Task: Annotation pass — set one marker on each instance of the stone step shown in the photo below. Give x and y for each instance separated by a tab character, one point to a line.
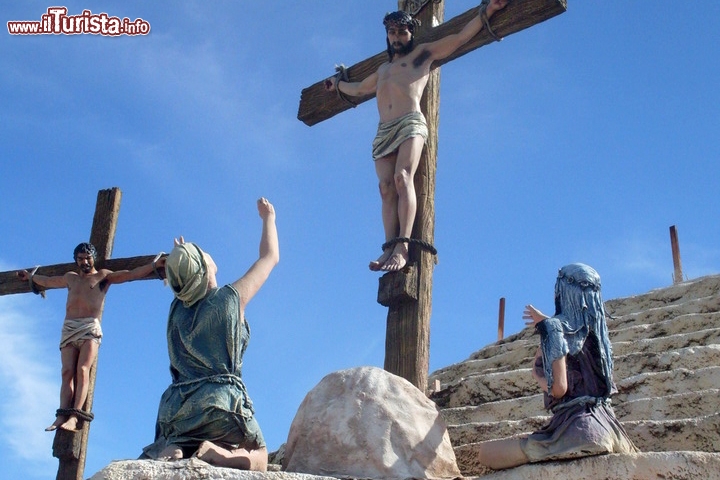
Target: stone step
691	358
700	306
669	407
710	336
507	344
674	406
699	288
680	323
661	384
510	409
696	297
681	465
481	389
469	433
698	434
520	355
684	331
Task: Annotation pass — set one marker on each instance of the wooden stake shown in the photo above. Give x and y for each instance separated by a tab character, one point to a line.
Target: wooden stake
501	319
677	263
407	341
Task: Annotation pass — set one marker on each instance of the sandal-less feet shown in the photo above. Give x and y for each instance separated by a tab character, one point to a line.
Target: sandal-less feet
378	264
396	262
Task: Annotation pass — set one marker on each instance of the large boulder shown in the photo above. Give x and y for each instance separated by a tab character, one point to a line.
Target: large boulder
367	423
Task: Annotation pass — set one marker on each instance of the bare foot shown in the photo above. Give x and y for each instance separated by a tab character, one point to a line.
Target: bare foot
210	453
239	458
377	265
58	421
71	424
171	452
397	260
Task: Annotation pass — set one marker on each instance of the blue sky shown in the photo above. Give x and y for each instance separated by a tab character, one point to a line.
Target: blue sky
581	139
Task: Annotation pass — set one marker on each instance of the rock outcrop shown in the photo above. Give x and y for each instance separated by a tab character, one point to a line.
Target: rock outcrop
367	423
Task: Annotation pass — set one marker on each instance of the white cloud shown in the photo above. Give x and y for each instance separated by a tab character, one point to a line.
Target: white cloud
30	375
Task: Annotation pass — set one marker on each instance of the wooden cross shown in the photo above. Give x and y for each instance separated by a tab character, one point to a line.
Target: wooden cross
408	293
71	447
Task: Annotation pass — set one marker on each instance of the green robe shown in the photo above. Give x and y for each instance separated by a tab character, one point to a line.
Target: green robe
207	399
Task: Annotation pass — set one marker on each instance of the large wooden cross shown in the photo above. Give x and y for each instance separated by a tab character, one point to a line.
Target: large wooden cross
71	447
408	293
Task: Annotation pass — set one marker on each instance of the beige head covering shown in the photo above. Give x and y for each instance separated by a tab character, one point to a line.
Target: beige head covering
187	273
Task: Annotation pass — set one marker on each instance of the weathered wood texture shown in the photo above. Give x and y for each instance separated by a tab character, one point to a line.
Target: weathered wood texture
677	262
317	105
399	288
407	339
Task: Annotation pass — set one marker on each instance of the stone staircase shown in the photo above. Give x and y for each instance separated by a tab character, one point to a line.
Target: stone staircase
666	347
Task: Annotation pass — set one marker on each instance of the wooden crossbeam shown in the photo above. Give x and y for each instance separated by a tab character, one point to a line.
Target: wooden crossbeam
10	283
317	105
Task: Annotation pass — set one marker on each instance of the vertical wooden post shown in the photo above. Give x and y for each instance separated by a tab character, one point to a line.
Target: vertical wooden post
407	342
677	263
501	319
71	447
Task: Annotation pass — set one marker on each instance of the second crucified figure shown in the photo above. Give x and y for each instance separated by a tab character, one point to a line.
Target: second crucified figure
398	85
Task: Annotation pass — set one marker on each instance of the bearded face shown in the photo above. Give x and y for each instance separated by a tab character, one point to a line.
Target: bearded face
399	40
399	48
86	262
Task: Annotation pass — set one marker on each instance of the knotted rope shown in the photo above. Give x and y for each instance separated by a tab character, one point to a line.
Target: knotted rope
81	414
342	75
412	241
33	286
482	11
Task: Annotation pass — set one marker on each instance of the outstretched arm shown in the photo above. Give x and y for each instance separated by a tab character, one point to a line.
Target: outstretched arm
353	89
445	46
249	284
122	276
559	366
58	281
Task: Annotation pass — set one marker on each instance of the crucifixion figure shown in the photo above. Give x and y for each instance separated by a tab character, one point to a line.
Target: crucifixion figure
87	281
405	80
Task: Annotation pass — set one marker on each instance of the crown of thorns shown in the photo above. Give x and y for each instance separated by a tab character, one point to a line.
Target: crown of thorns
401	18
583	283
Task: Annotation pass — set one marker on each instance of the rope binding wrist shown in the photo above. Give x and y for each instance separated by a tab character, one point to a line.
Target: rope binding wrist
482	11
154	265
342	75
33	286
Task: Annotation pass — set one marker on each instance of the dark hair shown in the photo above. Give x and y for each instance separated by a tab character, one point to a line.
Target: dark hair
401	18
85	247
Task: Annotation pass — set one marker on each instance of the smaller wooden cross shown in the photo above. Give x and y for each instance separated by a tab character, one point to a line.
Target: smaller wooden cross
71	447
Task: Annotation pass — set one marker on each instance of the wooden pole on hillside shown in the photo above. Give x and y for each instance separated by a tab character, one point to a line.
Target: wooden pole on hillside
677	263
407	337
501	319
